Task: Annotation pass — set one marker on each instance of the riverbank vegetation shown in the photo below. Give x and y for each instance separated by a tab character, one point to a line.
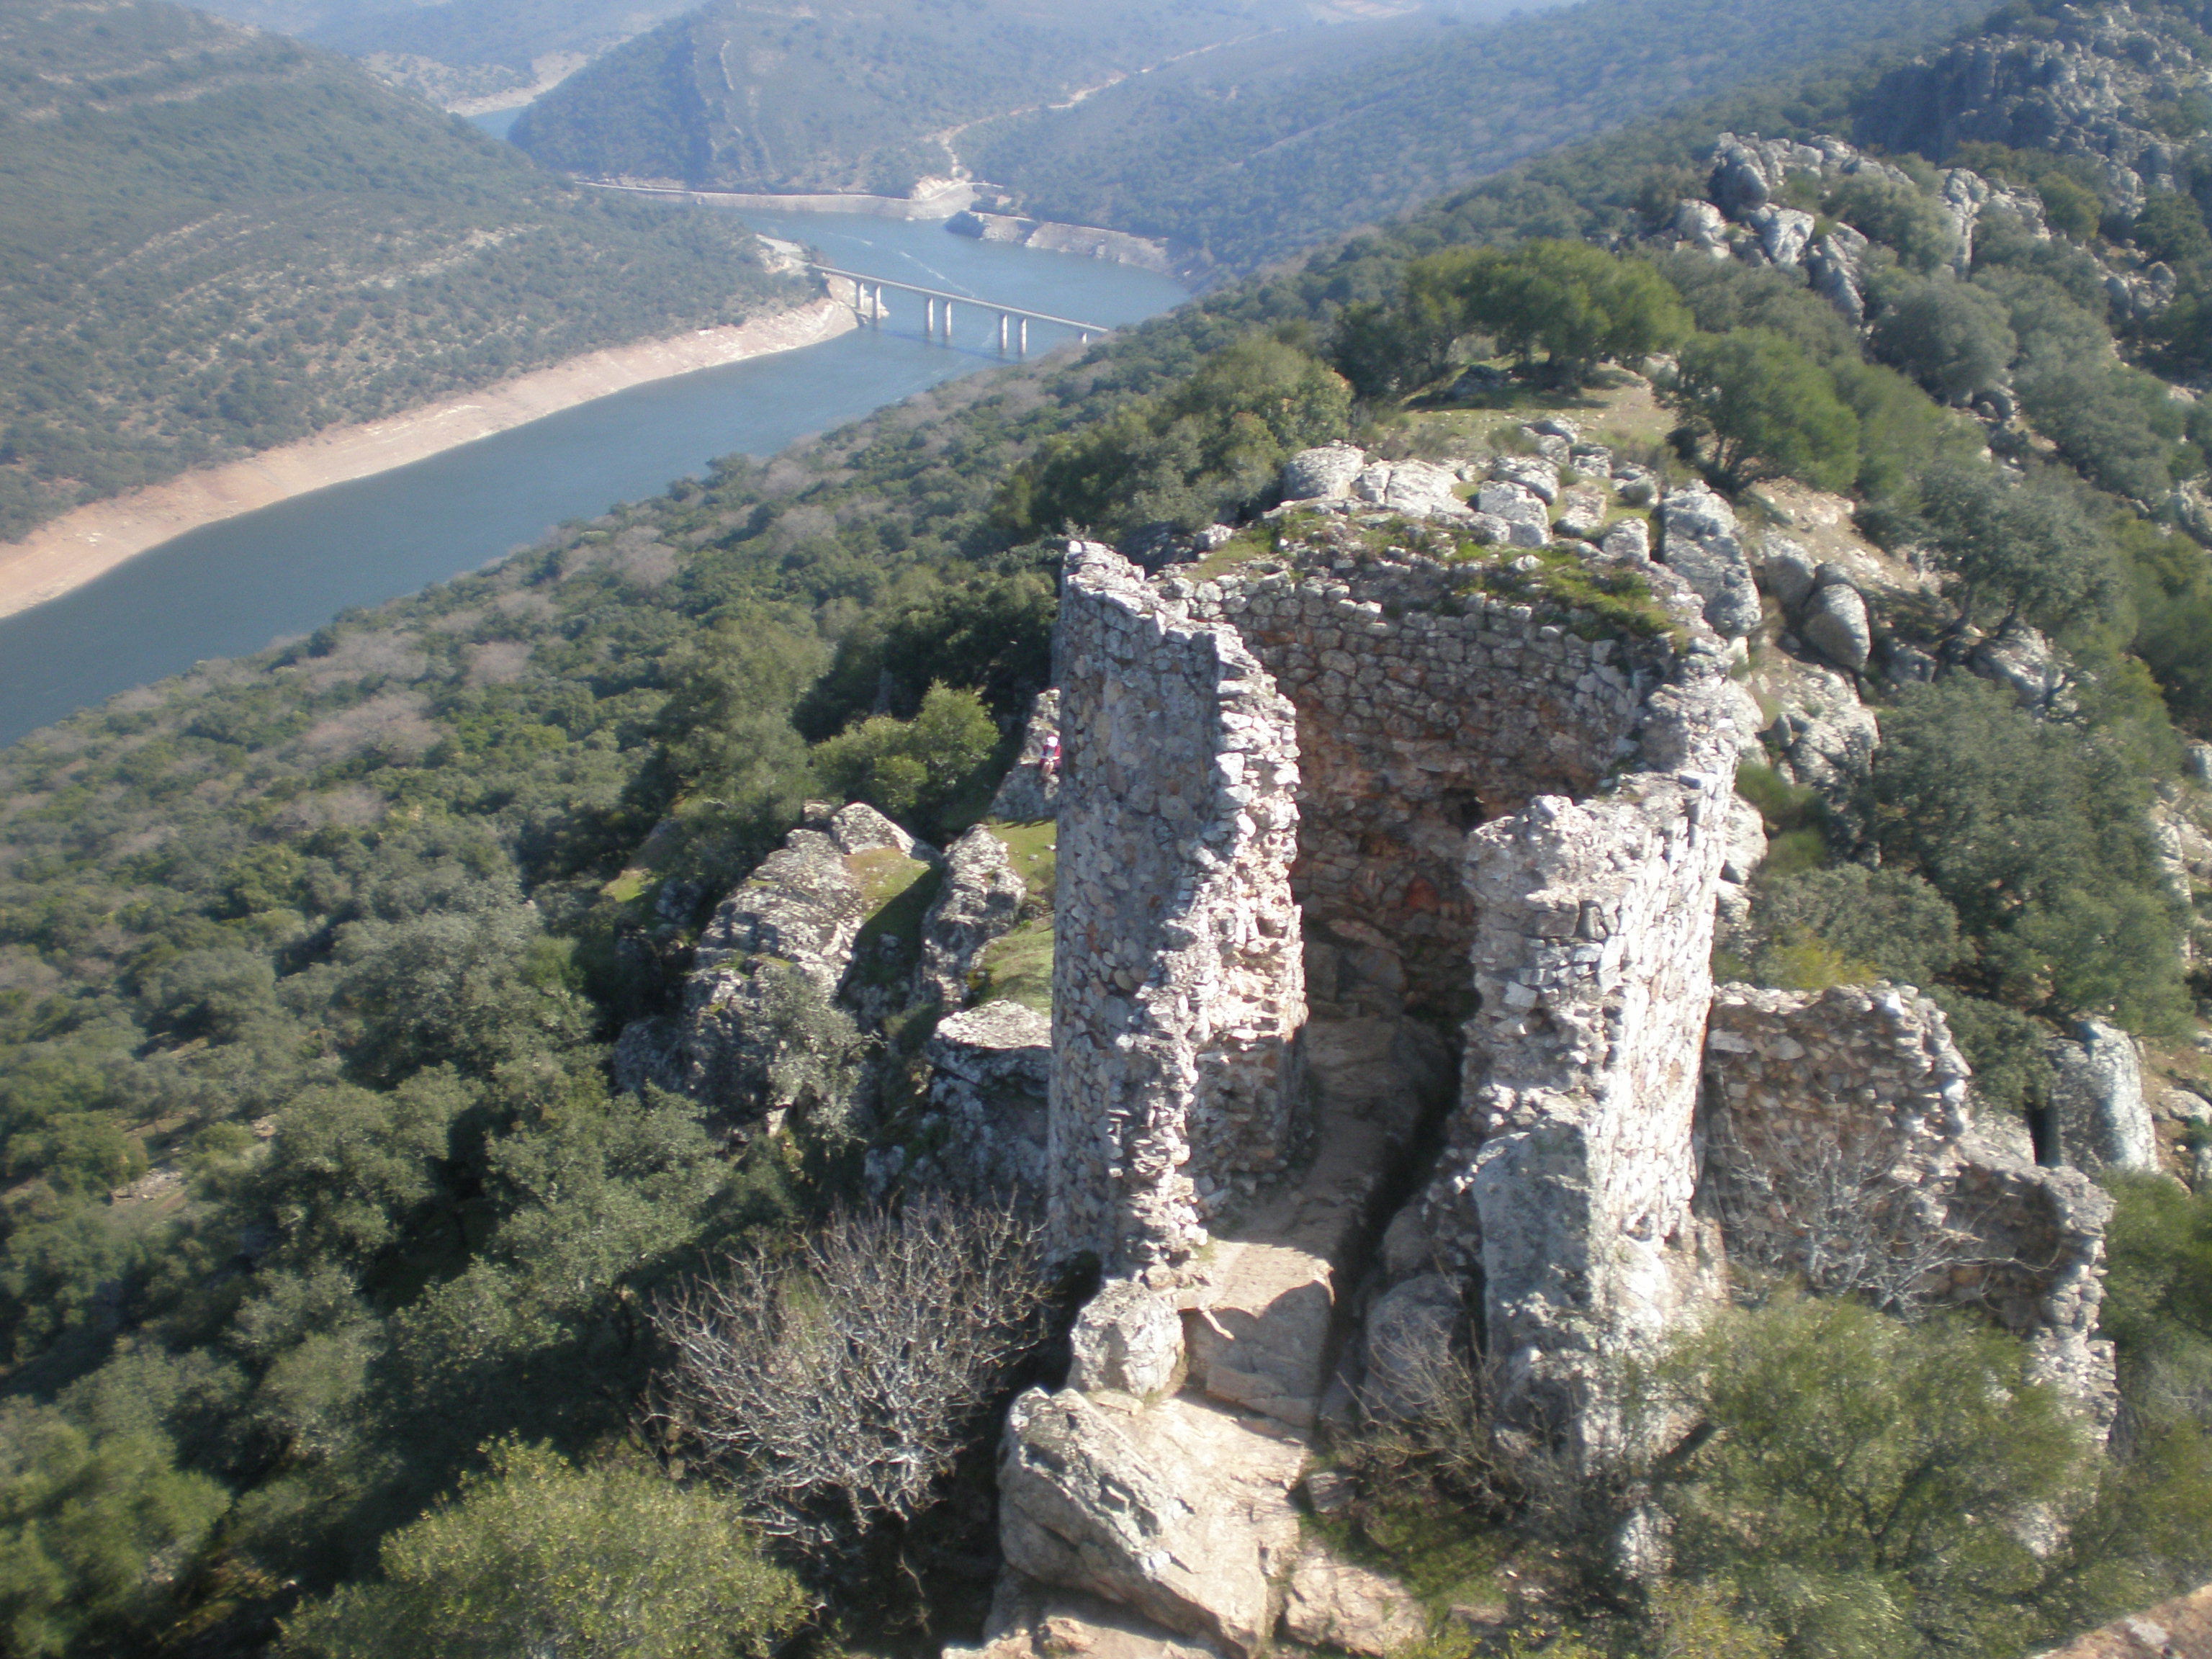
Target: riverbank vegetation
336	1274
214	242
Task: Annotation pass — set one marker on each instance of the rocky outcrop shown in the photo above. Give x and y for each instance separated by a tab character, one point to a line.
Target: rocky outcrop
2083	94
783	939
2097	1100
1026	793
985	1130
1700	542
1179	1510
1323	474
980	899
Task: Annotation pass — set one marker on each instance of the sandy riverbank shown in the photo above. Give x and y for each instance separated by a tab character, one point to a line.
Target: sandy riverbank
70	550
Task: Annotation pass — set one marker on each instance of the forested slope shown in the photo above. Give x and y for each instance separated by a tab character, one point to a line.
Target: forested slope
311	964
213	241
850	96
1242	161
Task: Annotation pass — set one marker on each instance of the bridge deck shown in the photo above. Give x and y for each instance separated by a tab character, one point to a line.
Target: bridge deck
958	298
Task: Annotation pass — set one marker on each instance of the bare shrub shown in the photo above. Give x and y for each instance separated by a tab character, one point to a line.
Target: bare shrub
1446	1454
1841	1217
835	1387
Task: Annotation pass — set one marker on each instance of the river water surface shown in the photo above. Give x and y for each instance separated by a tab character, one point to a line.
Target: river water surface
235	587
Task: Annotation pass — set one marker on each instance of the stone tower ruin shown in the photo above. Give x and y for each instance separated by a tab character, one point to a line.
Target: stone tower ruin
1371	792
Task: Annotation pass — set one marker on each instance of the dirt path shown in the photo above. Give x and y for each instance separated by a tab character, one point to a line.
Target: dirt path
70	550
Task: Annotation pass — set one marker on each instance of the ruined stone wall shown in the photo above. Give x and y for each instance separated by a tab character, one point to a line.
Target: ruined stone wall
1422	710
1570	1168
1177	986
1851	1107
1790	1073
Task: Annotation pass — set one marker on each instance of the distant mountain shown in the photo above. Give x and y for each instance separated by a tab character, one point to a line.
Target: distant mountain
214	240
1247	155
854	94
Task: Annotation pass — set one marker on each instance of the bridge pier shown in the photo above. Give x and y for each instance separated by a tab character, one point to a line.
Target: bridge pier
1002	334
1024	346
948	322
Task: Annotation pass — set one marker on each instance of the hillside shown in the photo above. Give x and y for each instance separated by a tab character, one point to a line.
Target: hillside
461	53
853	97
213	241
435	1057
1240	159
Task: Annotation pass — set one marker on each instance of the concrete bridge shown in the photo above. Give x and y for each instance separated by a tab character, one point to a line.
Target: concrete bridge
1014	321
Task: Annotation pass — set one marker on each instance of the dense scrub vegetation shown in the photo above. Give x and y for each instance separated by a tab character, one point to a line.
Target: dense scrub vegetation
213	242
330	1251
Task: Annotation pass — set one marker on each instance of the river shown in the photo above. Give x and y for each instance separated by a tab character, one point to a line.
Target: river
232	588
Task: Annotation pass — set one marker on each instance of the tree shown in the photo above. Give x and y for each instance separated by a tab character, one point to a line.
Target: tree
1577	304
534	1557
1853	1481
2035	831
1952	337
82	1516
2022	549
2172	227
1901	216
1890	920
909	768
1766	409
834	1389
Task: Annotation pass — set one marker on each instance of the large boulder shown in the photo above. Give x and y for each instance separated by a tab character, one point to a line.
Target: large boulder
2097	1101
1784	234
1328	1603
1700	541
1836	624
1789	573
1178	1510
1521	508
2024	662
1630	539
1323	474
982	898
1581	513
1536	474
1419	490
1127	1338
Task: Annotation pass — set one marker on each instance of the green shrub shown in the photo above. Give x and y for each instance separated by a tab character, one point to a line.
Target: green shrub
1765	410
909	769
1850	1481
535	1556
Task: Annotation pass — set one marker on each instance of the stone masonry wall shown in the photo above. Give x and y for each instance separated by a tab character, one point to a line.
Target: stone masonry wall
1852	1106
1178	989
1422	712
1570	1166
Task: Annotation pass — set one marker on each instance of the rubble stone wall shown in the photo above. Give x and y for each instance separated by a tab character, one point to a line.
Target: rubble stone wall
1792	1071
1422	711
1178	987
1872	1071
1570	1166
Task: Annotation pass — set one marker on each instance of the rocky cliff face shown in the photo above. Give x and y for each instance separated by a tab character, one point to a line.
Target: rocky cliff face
2090	86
